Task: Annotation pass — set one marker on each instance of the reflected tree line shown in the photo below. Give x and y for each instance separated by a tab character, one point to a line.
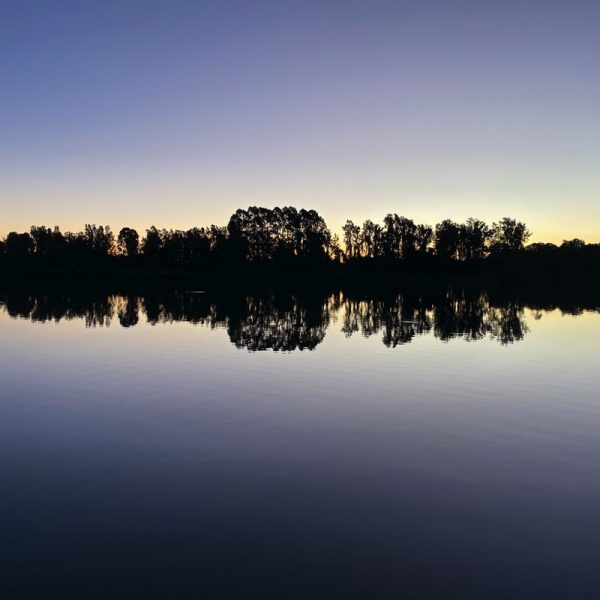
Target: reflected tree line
284	321
470	317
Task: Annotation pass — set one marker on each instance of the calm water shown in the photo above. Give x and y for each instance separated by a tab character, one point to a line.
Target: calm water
185	445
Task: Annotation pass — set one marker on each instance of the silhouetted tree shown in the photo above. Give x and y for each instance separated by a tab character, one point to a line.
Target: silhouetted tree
261	234
371	240
351	239
473	239
152	243
49	243
407	230
335	251
423	238
447	239
197	245
128	241
99	240
399	236
173	246
218	241
240	229
19	245
572	245
508	235
315	235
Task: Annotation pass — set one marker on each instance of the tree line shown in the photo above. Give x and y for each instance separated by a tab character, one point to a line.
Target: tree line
268	234
400	238
256	234
285	236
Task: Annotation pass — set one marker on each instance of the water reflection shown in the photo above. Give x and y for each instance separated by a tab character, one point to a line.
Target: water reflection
286	321
467	315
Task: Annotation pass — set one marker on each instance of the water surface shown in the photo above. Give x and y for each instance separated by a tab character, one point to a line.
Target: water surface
190	445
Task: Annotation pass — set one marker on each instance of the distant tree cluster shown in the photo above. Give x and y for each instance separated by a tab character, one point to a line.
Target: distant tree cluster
46	243
284	233
284	236
256	234
401	238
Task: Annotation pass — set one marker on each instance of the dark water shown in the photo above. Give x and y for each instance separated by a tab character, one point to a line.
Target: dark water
188	445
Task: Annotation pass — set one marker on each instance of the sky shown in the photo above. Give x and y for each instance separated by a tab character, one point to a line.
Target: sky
176	113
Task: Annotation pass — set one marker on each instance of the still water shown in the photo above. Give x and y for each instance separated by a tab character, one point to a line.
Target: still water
191	445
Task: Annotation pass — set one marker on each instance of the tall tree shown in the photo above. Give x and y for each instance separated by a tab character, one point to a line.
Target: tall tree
99	240
474	236
128	241
399	236
351	239
508	235
423	238
371	239
447	239
152	243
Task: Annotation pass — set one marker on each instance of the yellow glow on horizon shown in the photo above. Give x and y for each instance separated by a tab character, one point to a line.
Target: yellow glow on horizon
589	232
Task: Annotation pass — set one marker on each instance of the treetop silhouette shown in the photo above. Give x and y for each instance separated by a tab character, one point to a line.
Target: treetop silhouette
288	238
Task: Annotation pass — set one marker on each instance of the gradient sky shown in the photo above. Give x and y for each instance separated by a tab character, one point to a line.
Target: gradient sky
176	113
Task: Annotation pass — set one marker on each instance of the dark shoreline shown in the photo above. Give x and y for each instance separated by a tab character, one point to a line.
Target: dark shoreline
316	277
570	294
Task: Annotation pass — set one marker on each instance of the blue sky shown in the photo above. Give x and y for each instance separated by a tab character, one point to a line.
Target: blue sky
177	113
